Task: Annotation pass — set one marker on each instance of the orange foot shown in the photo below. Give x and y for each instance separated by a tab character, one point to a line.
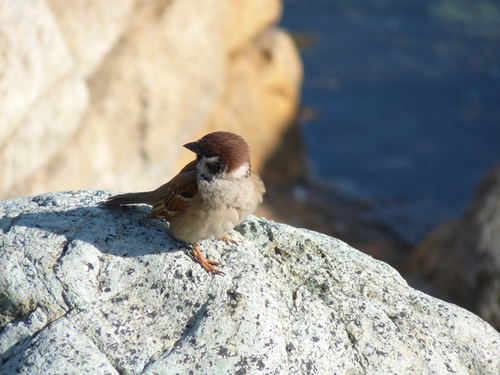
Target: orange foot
227	239
206	263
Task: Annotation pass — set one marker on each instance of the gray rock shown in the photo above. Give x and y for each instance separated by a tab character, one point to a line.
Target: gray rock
90	290
60	348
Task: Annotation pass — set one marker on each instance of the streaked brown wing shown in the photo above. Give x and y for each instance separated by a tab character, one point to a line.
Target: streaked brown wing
176	195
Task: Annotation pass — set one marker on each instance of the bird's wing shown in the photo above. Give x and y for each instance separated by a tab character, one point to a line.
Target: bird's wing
177	194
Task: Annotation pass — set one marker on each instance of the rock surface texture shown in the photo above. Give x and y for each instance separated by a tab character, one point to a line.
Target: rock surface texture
90	290
104	93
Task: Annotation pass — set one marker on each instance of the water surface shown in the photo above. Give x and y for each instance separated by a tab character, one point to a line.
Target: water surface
406	102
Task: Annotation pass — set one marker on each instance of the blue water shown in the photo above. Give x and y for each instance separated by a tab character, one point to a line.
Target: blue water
407	106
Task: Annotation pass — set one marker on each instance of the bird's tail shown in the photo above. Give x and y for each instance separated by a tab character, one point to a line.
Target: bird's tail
146	197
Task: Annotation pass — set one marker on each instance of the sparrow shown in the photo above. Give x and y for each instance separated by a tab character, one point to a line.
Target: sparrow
209	196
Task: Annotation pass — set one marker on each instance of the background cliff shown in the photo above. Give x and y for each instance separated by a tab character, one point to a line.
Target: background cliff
103	94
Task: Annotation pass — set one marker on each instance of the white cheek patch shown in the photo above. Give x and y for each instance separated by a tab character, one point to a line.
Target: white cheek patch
240	173
202	166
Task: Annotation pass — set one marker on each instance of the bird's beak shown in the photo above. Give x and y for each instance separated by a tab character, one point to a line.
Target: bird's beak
193	146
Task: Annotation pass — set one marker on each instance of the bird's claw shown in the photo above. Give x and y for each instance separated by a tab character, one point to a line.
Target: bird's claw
207	264
227	239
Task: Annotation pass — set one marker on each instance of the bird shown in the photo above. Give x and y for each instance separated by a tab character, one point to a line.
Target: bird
208	197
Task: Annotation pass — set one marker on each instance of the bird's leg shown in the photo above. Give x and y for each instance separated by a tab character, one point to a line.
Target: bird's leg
206	263
227	239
